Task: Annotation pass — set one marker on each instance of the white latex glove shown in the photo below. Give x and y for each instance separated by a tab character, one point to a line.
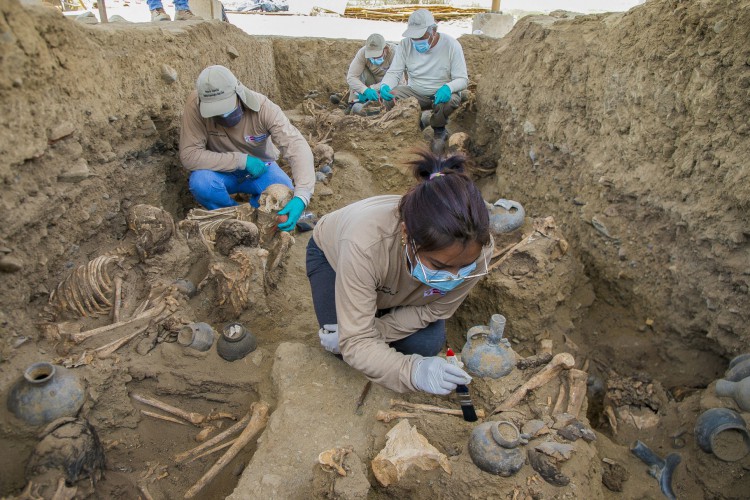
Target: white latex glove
436	376
329	338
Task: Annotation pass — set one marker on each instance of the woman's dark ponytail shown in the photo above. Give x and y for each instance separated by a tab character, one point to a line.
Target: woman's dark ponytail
445	207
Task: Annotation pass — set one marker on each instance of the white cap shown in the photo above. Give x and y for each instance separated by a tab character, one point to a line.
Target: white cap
419	21
218	89
374	45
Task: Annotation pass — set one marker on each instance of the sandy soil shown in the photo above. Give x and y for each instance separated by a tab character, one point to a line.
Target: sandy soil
628	130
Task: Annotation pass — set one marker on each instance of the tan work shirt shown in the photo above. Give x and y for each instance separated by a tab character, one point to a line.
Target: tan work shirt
363	74
362	242
206	145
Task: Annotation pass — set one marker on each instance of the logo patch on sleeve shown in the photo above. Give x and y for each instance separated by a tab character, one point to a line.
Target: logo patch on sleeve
433	291
256	138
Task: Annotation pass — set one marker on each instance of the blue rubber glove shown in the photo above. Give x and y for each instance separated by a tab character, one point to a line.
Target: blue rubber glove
329	338
385	93
368	95
255	167
443	94
293	210
436	376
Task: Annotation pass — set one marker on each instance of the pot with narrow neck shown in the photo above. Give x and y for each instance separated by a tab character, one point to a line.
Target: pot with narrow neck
486	353
739	391
46	392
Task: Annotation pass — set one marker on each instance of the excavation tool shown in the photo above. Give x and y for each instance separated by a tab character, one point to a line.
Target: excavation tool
362	397
661	469
467	407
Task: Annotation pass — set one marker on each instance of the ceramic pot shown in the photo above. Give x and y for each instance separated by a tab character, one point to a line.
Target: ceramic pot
739	391
723	432
46	392
199	336
486	353
505	216
493	447
739	368
235	342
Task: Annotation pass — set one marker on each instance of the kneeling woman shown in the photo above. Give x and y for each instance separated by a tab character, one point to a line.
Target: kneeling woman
386	272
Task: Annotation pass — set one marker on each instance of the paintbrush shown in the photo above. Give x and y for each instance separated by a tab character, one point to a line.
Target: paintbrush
467	407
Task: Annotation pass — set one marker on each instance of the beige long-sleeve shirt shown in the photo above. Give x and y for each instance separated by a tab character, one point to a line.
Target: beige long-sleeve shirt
362	242
363	74
206	145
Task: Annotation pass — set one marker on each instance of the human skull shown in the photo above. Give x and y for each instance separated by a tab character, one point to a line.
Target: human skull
274	198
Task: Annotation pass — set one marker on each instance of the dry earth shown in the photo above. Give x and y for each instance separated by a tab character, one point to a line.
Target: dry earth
630	130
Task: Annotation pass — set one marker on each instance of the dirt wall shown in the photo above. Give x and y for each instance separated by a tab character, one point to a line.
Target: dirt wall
632	129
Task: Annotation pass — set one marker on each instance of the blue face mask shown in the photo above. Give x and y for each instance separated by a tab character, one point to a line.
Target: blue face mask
422	46
434	278
230	119
377	61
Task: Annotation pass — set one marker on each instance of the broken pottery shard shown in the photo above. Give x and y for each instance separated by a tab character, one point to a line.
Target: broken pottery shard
168	73
558	451
576	430
77	172
535	428
406	448
233	53
547	468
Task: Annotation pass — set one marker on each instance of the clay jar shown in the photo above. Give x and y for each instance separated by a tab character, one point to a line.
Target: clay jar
486	353
46	392
199	336
493	448
723	432
235	342
739	368
739	391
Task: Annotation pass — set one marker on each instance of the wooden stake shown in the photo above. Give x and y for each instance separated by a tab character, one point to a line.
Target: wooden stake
181	457
256	424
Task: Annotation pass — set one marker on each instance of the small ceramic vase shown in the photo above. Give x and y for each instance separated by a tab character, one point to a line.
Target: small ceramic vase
235	342
723	432
199	336
739	391
493	447
486	353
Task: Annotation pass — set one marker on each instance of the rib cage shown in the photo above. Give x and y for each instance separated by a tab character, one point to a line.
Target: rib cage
87	289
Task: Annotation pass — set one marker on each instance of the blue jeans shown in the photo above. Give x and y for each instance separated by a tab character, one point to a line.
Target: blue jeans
428	341
212	189
178	4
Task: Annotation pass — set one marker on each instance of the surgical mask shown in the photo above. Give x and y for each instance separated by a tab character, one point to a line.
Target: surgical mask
422	46
377	61
445	281
230	119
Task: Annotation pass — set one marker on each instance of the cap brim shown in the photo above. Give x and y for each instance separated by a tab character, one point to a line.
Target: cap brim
248	98
216	108
414	32
374	52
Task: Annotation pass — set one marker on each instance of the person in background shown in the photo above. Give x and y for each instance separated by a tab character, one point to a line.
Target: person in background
367	70
386	272
181	11
229	142
436	71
